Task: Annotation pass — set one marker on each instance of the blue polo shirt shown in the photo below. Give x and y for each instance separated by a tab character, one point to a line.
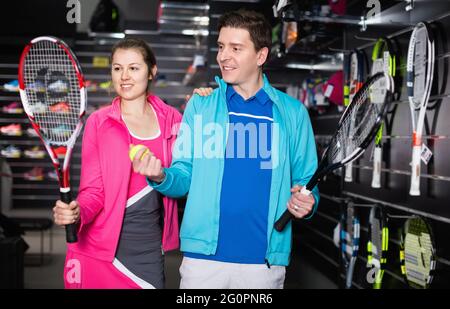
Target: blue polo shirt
244	200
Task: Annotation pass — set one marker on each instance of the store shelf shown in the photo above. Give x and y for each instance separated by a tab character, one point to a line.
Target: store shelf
174	49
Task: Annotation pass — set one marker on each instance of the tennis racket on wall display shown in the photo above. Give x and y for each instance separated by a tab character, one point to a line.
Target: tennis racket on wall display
384	60
419	79
349	242
356	69
439	86
377	246
363	116
54	99
417	254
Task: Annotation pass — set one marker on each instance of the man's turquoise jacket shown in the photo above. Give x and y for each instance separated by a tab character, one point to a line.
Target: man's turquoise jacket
198	165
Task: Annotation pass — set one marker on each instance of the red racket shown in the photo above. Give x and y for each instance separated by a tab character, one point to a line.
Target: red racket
54	98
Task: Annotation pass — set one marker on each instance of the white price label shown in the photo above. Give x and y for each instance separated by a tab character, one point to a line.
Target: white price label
425	154
328	91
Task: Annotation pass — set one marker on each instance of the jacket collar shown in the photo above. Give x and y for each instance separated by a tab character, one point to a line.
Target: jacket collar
266	87
164	112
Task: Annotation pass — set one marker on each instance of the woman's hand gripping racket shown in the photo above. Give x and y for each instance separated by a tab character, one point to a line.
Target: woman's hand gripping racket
54	99
356	129
419	68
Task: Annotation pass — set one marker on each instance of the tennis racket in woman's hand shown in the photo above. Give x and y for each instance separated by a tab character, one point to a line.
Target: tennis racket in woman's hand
54	98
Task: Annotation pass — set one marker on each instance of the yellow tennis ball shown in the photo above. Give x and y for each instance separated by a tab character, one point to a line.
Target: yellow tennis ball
135	149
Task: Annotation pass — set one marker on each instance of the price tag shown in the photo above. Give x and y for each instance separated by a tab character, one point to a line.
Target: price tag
426	154
328	91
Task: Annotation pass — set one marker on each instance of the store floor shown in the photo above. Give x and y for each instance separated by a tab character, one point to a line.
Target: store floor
49	275
300	273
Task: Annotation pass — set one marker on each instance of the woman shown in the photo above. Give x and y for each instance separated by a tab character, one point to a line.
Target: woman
124	226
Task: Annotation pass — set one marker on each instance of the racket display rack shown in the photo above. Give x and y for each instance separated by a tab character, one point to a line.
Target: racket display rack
314	238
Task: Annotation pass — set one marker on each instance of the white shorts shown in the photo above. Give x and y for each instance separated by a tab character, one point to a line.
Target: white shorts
207	274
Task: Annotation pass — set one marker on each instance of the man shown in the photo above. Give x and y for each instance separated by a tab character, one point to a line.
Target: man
243	154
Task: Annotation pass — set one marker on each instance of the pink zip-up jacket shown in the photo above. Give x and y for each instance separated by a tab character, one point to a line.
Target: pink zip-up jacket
105	174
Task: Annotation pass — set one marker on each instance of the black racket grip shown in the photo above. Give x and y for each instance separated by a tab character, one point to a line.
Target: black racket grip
71	229
284	219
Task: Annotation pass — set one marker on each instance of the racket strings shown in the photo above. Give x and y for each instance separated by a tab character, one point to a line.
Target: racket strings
420	68
51	86
376	243
419	253
355	128
420	65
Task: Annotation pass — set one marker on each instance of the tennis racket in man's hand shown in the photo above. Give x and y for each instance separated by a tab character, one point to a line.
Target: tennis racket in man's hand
356	129
54	98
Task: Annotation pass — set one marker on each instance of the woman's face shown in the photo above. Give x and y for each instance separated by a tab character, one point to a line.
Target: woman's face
130	73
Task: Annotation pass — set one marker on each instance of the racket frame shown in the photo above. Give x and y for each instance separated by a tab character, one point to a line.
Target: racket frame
62	171
377	212
403	253
360	65
418	122
323	168
381	46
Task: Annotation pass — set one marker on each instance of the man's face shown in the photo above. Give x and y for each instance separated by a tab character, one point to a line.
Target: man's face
238	60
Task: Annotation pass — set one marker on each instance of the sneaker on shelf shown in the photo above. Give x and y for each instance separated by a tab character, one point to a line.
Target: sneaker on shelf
35	174
31	132
52	175
58	86
39	108
34	153
13	129
62	131
60	107
11	152
161	80
105	85
13	108
37	86
12	86
60	152
90	85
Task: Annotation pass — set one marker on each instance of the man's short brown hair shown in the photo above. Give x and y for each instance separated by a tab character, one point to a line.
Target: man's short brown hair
255	23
